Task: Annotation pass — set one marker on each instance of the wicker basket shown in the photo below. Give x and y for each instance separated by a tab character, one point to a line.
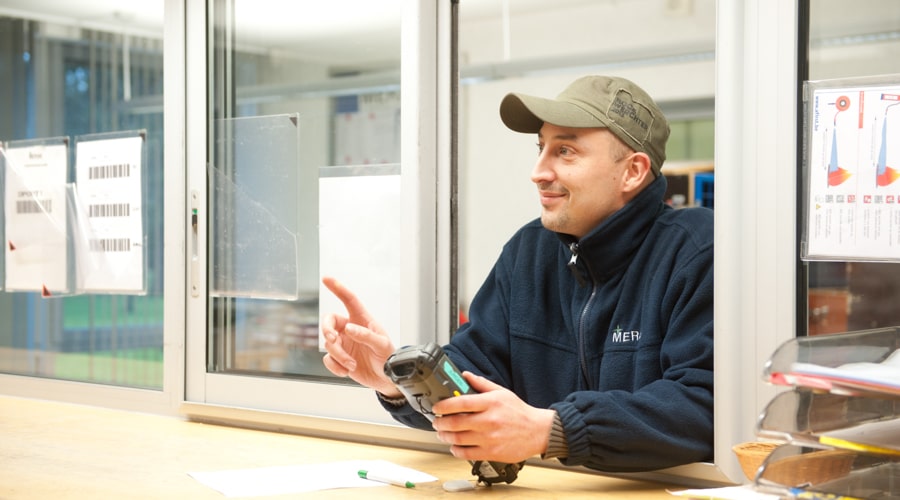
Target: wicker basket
751	456
807	468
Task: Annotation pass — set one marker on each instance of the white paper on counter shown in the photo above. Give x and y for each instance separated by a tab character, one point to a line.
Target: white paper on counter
289	479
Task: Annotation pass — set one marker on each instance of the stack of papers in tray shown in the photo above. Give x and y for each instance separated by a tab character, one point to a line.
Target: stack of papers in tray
883	377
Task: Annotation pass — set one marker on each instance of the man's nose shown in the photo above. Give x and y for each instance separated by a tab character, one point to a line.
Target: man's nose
542	171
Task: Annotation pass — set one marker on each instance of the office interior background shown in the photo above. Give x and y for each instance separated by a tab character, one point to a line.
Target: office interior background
361	139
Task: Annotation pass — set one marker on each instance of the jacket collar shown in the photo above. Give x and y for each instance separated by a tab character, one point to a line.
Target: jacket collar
611	245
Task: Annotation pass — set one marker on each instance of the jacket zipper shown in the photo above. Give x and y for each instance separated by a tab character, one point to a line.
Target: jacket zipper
573	267
573	264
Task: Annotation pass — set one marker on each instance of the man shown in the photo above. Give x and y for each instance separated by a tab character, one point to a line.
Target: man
591	340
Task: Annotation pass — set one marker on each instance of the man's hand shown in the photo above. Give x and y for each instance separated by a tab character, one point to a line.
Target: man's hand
357	346
493	425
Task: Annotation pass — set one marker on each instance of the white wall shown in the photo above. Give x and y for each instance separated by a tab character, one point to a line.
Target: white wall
542	29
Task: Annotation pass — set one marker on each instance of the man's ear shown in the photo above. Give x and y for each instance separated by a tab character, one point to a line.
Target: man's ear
637	173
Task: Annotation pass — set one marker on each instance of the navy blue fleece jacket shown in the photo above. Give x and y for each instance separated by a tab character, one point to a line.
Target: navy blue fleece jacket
621	346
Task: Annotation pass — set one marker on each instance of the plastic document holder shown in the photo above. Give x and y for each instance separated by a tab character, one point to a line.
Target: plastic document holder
839	424
864	363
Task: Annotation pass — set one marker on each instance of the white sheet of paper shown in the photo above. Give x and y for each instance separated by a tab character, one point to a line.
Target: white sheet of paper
289	479
111	250
36	234
745	492
884	375
360	240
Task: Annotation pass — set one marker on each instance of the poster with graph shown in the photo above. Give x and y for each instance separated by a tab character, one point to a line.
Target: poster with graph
852	156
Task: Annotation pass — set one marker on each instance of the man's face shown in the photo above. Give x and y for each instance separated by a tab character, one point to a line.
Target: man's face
579	176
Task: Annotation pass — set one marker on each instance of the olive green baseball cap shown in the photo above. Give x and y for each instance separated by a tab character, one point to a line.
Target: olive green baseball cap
607	102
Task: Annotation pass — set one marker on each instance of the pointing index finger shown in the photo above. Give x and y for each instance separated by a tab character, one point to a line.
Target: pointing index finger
349	299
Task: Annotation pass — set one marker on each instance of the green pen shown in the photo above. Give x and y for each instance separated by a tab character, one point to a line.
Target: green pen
385	479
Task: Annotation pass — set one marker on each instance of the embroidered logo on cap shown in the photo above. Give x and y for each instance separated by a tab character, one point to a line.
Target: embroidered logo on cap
635	117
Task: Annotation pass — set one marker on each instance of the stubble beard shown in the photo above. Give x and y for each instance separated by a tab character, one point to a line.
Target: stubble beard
557	222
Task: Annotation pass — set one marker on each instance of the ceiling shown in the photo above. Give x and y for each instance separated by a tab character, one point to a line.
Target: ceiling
305	29
323	30
108	15
294	22
293	19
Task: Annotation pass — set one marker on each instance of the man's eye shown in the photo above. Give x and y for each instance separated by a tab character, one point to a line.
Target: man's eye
564	150
540	148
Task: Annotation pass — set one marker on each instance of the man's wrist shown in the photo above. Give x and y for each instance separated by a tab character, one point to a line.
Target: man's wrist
557	445
388	389
398	400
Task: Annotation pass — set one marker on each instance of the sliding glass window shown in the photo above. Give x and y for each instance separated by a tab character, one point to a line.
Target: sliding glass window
305	108
319	157
81	278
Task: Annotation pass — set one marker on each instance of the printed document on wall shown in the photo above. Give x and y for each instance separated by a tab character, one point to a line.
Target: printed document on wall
35	216
110	249
853	171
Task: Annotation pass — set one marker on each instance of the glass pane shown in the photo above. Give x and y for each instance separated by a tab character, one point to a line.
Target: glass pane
63	80
690	141
295	92
254	191
858	42
678	146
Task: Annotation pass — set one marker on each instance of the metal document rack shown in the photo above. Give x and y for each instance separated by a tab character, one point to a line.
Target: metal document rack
839	422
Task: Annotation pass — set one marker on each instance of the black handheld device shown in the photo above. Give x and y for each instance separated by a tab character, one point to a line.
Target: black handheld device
425	375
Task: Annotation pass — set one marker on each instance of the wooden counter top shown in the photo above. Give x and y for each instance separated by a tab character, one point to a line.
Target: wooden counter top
64	451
